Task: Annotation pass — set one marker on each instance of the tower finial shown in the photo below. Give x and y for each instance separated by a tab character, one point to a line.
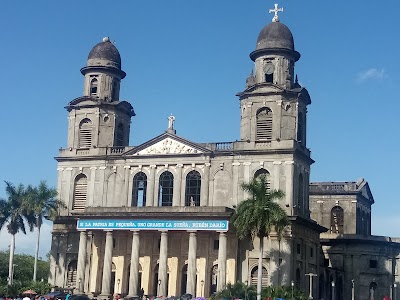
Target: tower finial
275	11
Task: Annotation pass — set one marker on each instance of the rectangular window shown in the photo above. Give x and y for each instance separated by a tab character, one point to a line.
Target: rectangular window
298	249
311	252
216	245
373	263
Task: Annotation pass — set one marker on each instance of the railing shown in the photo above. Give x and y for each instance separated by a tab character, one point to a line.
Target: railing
116	150
226	146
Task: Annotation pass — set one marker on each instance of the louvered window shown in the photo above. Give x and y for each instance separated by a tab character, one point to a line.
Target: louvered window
264	278
85	134
80	192
193	187
71	273
120	135
337	219
264	124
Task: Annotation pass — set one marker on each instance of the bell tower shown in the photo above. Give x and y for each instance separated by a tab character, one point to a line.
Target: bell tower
98	118
273	112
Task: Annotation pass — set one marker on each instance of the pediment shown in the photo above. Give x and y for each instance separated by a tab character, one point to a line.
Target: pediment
167	144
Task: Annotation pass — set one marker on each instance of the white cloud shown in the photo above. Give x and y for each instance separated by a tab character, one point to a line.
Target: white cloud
27	243
371	74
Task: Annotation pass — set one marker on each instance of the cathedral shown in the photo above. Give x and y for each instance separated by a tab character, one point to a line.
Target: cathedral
155	218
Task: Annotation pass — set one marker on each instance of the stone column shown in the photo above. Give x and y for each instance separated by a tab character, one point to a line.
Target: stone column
205	182
176	198
134	271
221	281
107	265
162	267
150	187
192	268
80	278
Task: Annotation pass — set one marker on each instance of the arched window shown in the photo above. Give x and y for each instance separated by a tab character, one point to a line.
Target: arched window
337	219
80	192
93	87
193	186
156	283
300	192
214	279
184	279
139	190
85	134
372	290
72	273
264	124
265	173
166	189
300	128
254	275
120	135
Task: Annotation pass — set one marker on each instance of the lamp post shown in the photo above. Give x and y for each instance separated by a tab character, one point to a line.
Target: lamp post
394	291
352	289
79	286
202	287
333	290
159	285
246	289
311	275
292	285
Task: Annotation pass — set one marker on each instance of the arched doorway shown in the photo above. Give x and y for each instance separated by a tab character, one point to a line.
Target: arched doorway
72	273
156	282
112	282
184	279
372	290
213	279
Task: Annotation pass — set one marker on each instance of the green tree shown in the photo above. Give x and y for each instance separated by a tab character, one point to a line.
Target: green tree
42	202
258	215
23	268
13	215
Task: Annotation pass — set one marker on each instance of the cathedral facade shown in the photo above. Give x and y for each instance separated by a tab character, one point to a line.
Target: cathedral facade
155	217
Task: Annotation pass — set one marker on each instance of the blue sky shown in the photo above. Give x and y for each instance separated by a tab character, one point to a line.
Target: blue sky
190	58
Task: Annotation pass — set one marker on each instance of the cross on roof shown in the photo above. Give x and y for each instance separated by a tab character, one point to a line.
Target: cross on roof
275	11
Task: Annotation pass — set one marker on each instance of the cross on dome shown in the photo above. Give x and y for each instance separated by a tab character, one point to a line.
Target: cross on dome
275	11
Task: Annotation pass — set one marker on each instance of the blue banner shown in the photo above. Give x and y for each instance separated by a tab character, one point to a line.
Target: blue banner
210	225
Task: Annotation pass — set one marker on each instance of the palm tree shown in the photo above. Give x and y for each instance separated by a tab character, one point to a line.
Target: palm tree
42	203
13	215
258	215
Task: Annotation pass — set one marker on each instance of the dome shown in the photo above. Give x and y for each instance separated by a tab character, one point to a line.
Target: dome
104	54
275	35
